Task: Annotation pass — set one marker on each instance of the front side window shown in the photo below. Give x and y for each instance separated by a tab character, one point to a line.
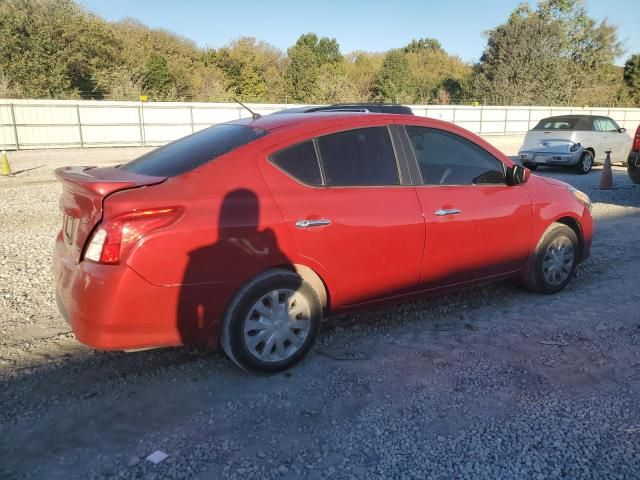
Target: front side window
445	158
604	125
360	157
299	161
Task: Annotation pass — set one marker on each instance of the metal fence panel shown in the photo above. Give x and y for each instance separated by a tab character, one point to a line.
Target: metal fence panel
91	123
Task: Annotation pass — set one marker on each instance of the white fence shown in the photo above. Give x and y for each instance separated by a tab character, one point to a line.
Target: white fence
31	124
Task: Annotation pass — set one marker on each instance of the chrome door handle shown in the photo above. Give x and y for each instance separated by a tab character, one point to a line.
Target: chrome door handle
312	223
450	211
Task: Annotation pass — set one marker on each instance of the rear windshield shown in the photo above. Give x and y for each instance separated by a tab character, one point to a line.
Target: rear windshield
557	124
190	152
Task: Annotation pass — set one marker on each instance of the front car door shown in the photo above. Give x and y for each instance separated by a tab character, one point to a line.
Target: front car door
621	142
350	212
605	135
477	226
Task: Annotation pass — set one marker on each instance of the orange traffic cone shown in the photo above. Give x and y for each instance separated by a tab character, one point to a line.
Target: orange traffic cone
6	168
606	177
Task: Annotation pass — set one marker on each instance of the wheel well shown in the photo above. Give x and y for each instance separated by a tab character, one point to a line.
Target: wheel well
593	152
313	279
574	225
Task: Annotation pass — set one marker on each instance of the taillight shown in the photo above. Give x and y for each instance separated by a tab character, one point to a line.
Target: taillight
117	235
636	141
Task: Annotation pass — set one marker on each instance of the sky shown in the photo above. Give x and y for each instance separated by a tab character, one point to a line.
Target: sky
372	25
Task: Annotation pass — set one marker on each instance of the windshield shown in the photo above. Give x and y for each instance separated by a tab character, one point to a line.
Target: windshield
190	152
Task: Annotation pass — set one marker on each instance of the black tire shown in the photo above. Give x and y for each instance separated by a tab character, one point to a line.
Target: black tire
585	163
633	168
531	166
537	281
233	336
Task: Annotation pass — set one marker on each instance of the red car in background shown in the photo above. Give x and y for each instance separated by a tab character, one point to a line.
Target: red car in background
247	233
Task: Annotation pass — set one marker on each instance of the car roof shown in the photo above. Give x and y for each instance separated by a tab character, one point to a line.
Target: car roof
578	122
580	117
394	108
289	120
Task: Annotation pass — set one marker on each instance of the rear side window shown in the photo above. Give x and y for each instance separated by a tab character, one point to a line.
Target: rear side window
604	125
360	157
548	124
445	158
190	152
301	162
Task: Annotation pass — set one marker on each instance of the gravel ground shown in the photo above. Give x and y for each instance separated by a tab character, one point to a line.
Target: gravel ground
492	382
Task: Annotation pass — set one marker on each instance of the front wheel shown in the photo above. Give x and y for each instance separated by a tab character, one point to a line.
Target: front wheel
585	163
272	323
556	260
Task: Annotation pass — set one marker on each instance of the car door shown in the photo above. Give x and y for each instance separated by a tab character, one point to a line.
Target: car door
349	212
605	136
477	226
621	140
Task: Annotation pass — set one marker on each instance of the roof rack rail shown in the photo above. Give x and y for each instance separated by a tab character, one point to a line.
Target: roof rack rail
354	107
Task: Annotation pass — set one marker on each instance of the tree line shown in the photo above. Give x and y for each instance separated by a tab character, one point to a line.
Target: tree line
553	54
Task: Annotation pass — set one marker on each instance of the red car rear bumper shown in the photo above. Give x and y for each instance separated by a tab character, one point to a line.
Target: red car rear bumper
111	307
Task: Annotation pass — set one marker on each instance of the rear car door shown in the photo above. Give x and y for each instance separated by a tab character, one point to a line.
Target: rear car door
350	212
477	226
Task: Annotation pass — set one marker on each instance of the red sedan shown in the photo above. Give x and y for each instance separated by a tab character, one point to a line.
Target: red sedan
247	233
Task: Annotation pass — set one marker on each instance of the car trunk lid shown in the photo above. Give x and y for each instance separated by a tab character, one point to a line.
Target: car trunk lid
83	192
547	140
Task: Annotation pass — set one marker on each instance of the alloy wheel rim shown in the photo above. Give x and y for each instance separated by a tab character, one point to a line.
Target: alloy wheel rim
277	325
586	164
558	261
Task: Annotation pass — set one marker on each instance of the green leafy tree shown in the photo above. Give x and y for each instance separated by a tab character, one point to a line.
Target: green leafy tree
555	54
394	82
334	86
305	60
181	59
423	44
361	69
253	69
632	76
54	48
156	78
437	76
6	89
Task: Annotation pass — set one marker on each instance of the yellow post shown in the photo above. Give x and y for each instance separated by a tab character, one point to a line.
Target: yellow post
6	168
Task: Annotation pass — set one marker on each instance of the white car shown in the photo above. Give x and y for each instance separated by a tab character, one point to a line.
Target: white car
574	140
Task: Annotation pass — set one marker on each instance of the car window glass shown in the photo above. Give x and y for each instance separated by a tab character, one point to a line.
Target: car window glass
604	125
301	162
445	158
555	125
190	152
360	157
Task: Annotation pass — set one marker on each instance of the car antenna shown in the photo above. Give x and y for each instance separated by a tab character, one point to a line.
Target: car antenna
254	115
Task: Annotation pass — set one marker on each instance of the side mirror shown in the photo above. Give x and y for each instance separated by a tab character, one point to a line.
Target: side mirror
517	175
622	130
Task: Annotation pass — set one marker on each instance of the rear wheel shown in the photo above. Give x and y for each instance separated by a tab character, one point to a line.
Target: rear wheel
633	168
585	163
272	323
556	260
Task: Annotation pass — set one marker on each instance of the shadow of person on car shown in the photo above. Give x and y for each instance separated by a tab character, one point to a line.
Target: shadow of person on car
216	272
